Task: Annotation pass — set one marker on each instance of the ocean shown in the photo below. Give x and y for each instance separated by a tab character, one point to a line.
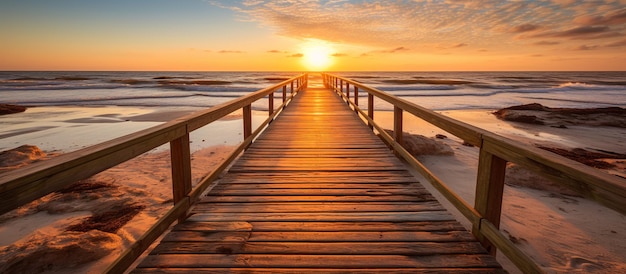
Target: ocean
435	90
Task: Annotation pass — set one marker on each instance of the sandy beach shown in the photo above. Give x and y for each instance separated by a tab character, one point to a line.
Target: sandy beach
563	233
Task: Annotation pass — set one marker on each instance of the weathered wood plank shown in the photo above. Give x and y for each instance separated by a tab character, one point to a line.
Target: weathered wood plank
313	248
432	270
315	191
315	236
375	226
330	198
338	217
321	185
292	178
317	207
328	261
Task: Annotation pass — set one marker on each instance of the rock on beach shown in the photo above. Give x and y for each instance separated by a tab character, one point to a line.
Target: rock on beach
10	109
562	117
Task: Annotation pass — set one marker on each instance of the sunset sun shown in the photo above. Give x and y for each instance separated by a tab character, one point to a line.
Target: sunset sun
317	56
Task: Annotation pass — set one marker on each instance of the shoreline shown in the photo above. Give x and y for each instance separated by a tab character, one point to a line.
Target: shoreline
589	227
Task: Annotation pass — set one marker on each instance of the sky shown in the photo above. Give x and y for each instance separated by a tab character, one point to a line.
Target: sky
303	35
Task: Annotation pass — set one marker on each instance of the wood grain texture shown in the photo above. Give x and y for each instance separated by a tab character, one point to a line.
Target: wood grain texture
318	192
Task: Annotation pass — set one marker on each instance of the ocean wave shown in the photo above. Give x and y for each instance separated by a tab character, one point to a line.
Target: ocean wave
496	86
209	88
275	79
62	78
415	88
60	86
195	82
426	81
172	77
364	77
131	81
576	86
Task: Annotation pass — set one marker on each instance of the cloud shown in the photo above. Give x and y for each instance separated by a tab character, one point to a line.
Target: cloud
584	32
524	28
296	55
339	55
231	51
621	43
421	24
613	18
275	51
546	43
585	47
398	49
459	45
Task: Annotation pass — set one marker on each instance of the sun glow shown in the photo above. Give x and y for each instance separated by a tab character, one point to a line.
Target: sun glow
317	55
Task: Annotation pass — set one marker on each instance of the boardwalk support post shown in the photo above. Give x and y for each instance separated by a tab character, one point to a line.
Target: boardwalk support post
397	125
181	169
370	108
356	95
489	189
270	103
247	121
284	93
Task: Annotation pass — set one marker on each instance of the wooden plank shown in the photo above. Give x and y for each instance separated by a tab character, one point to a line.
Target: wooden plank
303	217
316	192
323	177
432	270
319	226
355	248
314	184
305	168
315	236
317	261
317	207
336	174
330	198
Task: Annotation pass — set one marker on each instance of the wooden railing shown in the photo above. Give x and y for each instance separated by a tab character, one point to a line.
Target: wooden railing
495	152
29	183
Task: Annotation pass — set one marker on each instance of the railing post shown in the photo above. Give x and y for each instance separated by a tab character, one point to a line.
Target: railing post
284	93
397	125
340	86
291	92
247	121
180	157
356	95
270	103
348	91
370	108
489	189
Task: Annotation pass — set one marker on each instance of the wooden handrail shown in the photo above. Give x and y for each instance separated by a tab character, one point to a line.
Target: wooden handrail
495	152
29	183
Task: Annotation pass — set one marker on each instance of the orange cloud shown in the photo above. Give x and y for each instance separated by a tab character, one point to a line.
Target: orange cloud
231	51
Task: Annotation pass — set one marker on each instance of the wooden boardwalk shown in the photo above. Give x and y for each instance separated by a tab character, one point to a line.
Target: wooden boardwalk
318	192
